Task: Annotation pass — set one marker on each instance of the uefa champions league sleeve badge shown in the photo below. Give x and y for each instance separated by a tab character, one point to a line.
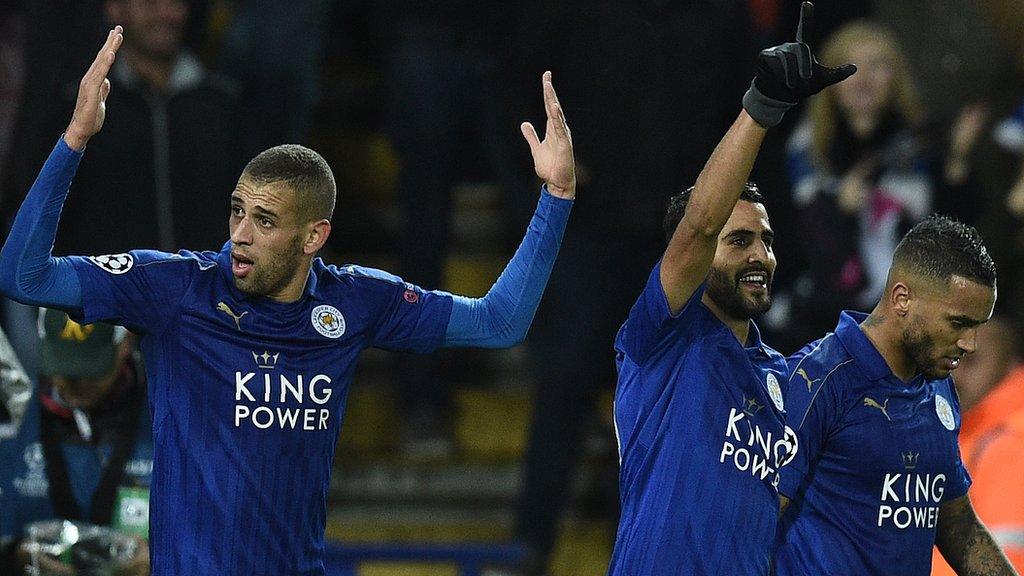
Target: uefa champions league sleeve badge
114	263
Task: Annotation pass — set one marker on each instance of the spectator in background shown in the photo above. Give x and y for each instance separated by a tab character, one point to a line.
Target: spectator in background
990	384
448	107
174	142
859	176
274	51
84	450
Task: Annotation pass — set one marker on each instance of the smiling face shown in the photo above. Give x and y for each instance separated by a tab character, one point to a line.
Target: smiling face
270	240
941	323
740	278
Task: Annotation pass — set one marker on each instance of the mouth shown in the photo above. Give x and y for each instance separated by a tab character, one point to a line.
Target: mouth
951	362
240	265
754	280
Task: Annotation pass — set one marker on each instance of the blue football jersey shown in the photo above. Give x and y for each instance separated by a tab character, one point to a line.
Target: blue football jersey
247	397
701	438
877	458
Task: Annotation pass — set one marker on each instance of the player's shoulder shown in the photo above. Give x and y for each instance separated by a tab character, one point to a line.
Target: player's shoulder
821	362
356	274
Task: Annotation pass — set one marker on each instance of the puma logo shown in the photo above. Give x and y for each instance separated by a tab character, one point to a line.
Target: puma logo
883	407
803	374
236	317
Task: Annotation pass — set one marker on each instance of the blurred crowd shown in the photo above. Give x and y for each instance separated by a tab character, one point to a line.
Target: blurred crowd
932	121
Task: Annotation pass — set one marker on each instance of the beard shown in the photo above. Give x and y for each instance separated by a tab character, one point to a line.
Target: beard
920	348
726	293
275	271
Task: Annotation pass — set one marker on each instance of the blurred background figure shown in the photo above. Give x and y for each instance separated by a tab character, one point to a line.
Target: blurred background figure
274	50
15	390
450	122
859	174
84	450
990	383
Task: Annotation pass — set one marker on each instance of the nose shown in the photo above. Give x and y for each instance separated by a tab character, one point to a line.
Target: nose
758	253
241	231
969	341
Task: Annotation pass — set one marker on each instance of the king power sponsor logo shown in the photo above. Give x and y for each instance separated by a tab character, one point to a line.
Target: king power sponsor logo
752	450
910	500
268	399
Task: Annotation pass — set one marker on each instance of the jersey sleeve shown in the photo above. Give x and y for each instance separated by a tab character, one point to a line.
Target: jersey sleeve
812	408
141	290
651	322
406	317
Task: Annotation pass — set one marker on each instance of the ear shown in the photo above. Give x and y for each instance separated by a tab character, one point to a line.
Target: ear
899	299
316	236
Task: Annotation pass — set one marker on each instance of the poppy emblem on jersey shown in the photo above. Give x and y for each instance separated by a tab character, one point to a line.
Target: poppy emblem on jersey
945	412
775	391
114	263
328	321
411	297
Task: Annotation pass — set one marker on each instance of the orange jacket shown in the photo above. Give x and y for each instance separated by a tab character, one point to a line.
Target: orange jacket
992	447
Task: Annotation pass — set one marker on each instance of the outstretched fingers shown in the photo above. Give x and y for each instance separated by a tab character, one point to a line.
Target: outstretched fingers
556	117
100	67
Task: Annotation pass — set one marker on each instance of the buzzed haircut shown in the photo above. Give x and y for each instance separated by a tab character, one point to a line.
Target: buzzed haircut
305	171
940	247
677	206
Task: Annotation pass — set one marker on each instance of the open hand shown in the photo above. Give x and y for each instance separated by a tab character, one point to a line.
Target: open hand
90	108
552	157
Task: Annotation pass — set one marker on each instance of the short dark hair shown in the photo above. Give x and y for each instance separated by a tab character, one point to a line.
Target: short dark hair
940	247
677	206
304	171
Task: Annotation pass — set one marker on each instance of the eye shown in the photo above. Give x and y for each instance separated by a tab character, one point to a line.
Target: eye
236	211
266	222
738	241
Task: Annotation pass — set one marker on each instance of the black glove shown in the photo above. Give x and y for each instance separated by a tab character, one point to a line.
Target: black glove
788	73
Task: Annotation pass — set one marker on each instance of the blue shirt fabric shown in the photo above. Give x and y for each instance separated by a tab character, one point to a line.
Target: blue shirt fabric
247	397
877	458
700	441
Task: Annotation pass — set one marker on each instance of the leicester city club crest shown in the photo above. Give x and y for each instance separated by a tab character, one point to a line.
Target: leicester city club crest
328	321
775	391
945	412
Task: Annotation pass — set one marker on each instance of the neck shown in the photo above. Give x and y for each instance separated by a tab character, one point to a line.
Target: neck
884	335
293	291
156	72
740	327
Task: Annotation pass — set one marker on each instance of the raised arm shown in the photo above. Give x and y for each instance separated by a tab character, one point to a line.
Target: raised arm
966	544
786	74
28	271
502	317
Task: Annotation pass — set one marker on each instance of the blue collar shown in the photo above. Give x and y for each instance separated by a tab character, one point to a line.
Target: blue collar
863	352
754	339
224	260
